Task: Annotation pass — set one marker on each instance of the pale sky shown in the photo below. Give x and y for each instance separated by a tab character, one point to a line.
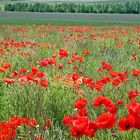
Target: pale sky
80	0
66	0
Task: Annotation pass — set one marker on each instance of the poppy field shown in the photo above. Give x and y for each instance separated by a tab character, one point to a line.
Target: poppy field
69	82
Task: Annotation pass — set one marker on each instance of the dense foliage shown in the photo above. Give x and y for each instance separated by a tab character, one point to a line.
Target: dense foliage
123	7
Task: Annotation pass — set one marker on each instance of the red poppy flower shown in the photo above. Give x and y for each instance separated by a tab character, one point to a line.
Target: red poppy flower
134	56
35	69
23	70
40	74
9	81
2	70
60	66
44	83
39	138
45	62
91	129
54	56
114	74
48	123
127	123
75	76
86	52
133	94
120	103
24	121
83	112
106	121
106	66
136	73
15	74
68	120
15	121
32	122
81	103
119	77
79	127
134	108
116	82
6	65
87	81
107	102
78	131
63	54
137	122
8	132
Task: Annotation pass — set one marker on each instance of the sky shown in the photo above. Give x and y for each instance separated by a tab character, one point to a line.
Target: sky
66	0
79	0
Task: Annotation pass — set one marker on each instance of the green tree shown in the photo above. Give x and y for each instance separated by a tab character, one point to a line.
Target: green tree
109	7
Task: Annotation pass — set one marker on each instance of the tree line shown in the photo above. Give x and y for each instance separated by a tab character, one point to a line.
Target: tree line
116	7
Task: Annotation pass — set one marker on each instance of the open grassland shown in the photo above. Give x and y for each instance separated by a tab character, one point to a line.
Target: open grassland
67	82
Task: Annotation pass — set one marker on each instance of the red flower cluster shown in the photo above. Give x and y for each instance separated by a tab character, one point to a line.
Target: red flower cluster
80	104
106	102
118	78
106	66
63	54
133	94
81	125
8	129
47	62
133	118
5	66
22	77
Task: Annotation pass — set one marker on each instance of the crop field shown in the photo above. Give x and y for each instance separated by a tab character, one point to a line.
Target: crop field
69	82
58	18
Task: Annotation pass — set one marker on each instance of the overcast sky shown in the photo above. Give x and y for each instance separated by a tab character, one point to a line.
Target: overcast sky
71	0
67	0
80	0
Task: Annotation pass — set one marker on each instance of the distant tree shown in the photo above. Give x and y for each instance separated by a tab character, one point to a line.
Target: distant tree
9	7
31	8
42	8
83	8
72	8
109	7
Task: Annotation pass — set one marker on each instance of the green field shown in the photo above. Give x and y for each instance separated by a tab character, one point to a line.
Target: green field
61	23
68	18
